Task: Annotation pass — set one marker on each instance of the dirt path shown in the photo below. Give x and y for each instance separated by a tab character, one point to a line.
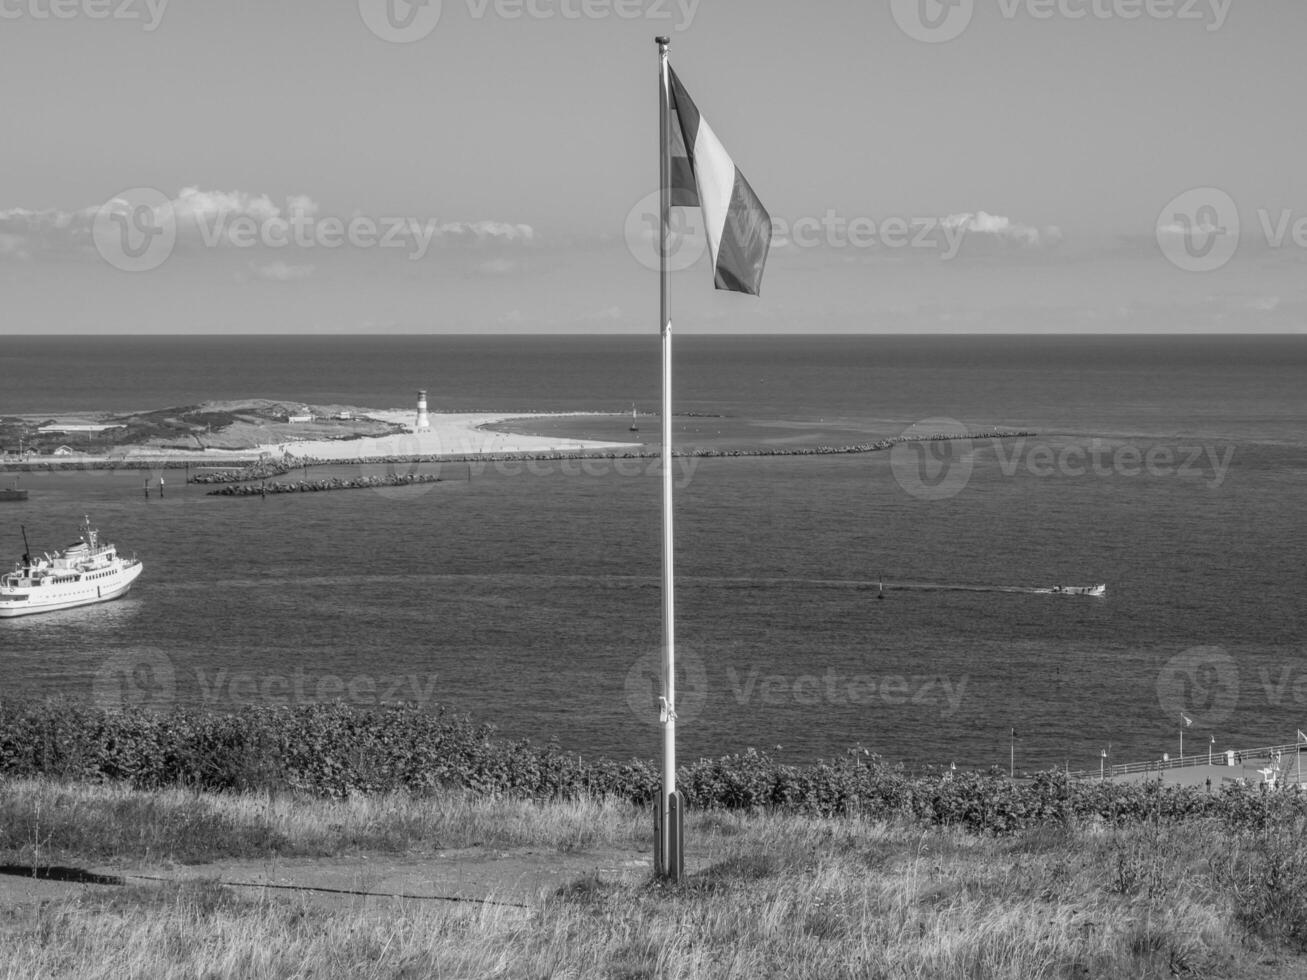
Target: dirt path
517	876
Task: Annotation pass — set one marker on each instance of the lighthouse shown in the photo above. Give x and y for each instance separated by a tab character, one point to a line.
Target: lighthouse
423	421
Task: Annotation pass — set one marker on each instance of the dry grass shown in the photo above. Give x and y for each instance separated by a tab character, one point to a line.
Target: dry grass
772	897
100	822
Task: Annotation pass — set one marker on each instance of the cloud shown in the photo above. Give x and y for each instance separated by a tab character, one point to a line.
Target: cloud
484	232
1004	228
13	246
28	231
282	272
497	267
241	218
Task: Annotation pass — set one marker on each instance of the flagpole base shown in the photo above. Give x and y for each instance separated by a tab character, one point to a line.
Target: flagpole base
669	838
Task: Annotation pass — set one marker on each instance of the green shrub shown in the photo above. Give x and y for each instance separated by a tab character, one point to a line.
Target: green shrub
334	750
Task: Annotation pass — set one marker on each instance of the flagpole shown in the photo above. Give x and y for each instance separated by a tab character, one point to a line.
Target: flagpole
668	846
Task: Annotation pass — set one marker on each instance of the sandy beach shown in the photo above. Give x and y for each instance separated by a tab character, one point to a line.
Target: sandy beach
449	434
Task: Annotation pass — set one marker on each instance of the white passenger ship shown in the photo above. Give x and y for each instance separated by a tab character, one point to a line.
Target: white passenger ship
86	572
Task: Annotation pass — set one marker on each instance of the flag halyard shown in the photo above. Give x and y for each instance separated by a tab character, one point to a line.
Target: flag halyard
702	173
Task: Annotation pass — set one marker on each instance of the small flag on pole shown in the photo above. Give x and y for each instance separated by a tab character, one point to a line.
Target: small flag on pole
1301	736
1187	721
703	174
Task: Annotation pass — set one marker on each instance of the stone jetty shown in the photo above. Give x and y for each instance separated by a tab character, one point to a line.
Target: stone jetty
319	486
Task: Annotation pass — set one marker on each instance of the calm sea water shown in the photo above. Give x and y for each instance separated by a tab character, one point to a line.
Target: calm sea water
1173	469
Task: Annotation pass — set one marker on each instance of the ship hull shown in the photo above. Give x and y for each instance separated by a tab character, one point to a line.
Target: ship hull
67	597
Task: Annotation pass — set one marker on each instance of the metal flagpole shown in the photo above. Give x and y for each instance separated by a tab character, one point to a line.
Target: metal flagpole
669	847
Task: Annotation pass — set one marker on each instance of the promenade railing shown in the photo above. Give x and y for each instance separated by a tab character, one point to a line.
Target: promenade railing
1282	758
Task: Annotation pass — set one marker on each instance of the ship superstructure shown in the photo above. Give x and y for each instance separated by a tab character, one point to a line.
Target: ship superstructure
85	572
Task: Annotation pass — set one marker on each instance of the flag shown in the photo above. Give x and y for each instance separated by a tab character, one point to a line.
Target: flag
703	175
1187	721
1212	739
1301	736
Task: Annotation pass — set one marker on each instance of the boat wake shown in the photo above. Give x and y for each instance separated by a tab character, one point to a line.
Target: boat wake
316	582
1089	590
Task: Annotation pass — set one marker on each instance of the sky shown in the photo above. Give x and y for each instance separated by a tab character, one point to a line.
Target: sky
480	166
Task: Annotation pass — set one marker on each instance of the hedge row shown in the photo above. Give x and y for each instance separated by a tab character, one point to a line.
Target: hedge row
335	750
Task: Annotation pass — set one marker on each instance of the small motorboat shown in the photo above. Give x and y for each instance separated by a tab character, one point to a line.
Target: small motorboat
1094	590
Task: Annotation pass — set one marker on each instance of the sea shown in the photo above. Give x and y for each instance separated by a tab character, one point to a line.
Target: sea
894	602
